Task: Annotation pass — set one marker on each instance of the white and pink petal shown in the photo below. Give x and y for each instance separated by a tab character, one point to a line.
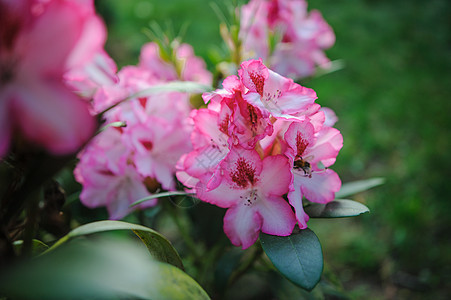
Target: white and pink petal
242	225
275	176
319	188
278	218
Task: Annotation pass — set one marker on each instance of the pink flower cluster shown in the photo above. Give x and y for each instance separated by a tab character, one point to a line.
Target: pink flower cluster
261	137
122	165
288	39
40	43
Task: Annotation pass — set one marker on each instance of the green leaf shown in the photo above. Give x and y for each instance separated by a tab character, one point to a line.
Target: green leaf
339	208
100	269
351	188
298	257
335	65
173	86
160	248
160	195
118	124
37	247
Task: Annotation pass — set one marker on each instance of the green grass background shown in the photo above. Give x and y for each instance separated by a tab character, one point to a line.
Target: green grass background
393	99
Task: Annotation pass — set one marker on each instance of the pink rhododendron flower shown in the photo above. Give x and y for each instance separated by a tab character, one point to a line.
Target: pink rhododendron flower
299	37
39	43
261	137
252	191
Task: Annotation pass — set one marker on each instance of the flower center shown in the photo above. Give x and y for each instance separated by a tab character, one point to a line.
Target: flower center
244	174
301	144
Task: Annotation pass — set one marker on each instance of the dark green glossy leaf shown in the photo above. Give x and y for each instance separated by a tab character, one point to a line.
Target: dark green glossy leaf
298	257
160	248
339	208
100	269
351	188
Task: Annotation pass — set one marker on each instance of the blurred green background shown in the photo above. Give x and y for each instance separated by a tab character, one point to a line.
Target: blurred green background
393	100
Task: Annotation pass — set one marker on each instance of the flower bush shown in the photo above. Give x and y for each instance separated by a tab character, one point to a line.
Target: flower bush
258	146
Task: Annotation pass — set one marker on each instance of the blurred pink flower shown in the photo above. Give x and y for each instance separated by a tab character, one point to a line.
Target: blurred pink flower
107	178
156	135
156	146
86	79
288	39
186	66
39	42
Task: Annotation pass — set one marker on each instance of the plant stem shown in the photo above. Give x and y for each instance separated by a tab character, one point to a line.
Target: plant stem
183	232
32	218
208	262
246	265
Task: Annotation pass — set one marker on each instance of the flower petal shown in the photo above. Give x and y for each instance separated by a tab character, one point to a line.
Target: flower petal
328	143
320	188
278	218
5	126
253	74
223	196
48	44
299	136
293	101
129	190
203	160
276	176
52	116
242	225
295	198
